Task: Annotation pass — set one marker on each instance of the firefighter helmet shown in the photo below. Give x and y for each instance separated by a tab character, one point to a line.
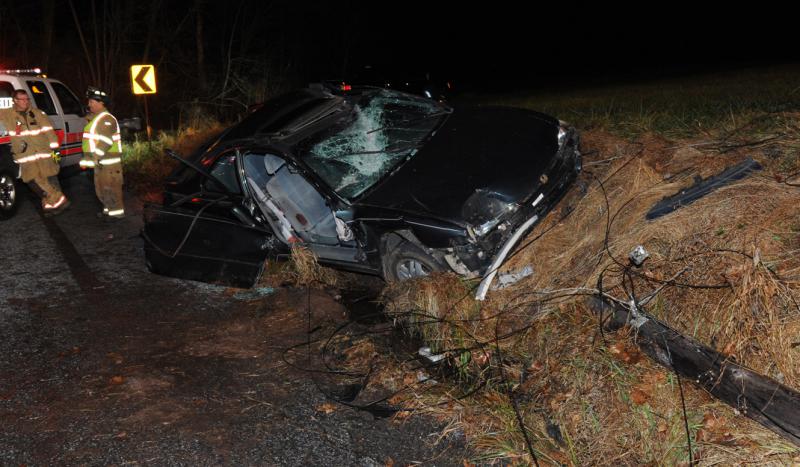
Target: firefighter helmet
98	95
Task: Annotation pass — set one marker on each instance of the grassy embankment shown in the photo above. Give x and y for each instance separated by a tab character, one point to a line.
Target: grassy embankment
587	398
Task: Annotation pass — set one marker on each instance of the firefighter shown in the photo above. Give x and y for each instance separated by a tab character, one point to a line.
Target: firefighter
35	148
102	151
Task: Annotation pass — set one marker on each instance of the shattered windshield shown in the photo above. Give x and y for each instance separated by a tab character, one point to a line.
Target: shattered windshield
383	129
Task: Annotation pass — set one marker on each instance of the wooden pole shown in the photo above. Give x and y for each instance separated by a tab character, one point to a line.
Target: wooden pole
753	395
147	120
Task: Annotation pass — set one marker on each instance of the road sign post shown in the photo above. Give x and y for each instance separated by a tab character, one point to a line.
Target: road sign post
143	82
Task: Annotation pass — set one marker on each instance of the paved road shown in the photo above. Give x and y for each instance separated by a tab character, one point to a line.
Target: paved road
102	362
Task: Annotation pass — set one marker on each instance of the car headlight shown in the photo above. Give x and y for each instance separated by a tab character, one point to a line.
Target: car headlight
486	227
485	210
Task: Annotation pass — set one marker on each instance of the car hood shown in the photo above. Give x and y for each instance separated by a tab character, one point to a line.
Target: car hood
490	150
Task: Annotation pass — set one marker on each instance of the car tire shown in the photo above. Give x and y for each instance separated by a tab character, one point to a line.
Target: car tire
9	195
407	261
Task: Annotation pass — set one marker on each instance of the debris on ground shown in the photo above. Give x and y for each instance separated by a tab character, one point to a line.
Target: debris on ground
638	256
702	187
507	278
722	271
425	352
755	396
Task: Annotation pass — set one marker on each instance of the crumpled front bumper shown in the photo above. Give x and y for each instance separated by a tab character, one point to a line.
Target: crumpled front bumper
559	178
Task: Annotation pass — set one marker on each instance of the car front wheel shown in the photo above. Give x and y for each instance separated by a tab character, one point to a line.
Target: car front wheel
9	195
407	261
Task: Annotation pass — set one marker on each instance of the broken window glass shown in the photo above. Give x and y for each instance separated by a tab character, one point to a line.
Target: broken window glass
383	129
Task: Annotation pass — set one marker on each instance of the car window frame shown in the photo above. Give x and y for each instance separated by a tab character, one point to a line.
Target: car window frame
8	101
210	184
70	95
45	94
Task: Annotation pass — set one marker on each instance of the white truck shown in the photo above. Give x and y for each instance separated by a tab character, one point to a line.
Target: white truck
61	105
65	111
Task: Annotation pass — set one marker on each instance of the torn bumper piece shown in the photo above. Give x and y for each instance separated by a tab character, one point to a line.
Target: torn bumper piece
702	188
483	287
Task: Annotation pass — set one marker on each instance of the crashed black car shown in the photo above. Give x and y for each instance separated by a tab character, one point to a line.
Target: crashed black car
372	180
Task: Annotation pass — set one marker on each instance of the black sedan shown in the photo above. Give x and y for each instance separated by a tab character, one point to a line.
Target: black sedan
371	180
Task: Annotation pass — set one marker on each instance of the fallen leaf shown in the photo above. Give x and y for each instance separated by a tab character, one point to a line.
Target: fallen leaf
639	397
702	436
716	430
122	435
389	462
559	457
396	399
625	352
662	427
535	367
482	358
117	358
117	380
655	377
327	408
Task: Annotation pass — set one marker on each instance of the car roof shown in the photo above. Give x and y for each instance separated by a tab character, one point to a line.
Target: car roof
276	113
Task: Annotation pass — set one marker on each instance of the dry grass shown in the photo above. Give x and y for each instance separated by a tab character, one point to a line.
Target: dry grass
146	165
612	406
304	270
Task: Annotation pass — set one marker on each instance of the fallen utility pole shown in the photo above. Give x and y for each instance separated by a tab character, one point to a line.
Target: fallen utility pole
754	395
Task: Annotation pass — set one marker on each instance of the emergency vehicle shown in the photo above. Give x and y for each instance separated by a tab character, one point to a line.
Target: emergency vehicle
56	100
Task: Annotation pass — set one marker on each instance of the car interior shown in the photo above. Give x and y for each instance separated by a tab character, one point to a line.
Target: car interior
287	197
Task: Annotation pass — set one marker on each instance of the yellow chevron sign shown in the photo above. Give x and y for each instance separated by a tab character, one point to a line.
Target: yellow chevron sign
143	79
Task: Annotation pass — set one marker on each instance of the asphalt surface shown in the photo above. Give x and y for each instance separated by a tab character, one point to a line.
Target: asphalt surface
102	362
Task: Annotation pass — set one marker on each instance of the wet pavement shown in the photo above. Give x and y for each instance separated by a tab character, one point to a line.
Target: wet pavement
102	362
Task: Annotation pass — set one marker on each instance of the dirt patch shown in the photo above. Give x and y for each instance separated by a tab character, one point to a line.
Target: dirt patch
239	339
144	384
162	412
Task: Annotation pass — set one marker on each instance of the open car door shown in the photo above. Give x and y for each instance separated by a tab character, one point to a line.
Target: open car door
296	211
209	236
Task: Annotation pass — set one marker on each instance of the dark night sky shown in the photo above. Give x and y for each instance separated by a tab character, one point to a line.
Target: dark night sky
493	45
502	43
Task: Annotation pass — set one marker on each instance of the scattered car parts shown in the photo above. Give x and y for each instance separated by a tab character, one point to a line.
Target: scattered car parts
703	187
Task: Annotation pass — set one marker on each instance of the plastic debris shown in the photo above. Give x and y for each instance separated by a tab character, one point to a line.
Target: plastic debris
425	352
638	256
507	278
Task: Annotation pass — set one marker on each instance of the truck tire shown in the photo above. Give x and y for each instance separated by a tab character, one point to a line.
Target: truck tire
9	195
